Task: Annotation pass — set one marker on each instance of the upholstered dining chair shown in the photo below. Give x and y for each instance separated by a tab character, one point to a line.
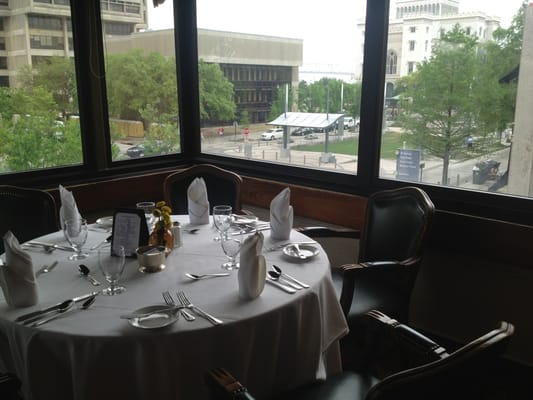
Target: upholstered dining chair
223	187
28	213
434	373
391	243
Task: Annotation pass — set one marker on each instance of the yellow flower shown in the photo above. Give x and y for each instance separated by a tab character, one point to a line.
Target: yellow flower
160	204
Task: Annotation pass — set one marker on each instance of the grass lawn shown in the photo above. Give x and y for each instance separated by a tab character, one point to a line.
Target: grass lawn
390	144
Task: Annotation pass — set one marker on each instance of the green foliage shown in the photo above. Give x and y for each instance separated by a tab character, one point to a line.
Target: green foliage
313	97
278	102
216	94
245	119
163	128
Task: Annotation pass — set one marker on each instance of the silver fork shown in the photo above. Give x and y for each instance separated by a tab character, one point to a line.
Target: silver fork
187	303
382	317
170	301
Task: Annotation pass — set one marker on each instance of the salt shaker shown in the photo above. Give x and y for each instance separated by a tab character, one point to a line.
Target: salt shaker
176	233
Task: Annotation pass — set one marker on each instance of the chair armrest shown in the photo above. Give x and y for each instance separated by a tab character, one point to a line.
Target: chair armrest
323	232
224	386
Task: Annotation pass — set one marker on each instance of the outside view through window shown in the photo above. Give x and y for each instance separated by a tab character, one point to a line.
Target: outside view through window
281	82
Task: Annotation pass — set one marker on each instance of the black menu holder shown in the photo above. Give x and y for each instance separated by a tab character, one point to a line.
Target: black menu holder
129	230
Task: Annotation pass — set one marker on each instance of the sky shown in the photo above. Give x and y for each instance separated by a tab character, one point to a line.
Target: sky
330	35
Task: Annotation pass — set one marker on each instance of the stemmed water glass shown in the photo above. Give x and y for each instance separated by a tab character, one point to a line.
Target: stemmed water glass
112	264
75	231
231	240
147	207
222	215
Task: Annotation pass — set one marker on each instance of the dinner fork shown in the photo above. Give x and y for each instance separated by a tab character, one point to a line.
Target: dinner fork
382	317
170	301
187	303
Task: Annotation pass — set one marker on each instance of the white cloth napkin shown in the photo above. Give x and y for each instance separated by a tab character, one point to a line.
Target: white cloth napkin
16	276
198	204
281	215
252	270
69	209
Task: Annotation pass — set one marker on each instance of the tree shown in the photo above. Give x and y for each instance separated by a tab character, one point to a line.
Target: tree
439	108
216	94
57	76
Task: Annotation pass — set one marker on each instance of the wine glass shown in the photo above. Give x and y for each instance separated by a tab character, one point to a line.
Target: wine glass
112	264
231	240
222	215
75	231
148	207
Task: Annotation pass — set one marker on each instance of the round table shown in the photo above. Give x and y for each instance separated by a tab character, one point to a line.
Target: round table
272	343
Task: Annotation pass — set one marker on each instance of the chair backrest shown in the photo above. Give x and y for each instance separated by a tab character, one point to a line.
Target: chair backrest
396	224
223	187
28	213
459	375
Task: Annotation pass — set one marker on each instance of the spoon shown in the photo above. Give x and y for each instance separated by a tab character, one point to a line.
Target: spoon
278	270
299	253
86	272
277	276
60	309
86	304
203	276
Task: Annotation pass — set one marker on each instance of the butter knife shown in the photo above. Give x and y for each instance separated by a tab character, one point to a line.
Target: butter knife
54	307
46	268
53	245
155	311
281	286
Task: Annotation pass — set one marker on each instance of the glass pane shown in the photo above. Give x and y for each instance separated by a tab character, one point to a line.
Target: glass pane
281	81
140	67
453	109
39	127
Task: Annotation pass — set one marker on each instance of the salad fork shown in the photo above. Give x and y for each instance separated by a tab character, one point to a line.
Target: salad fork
187	303
170	301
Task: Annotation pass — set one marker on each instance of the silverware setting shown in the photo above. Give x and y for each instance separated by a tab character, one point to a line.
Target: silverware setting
50	245
62	311
187	303
287	276
45	268
106	240
279	285
195	277
170	301
34	315
86	272
276	276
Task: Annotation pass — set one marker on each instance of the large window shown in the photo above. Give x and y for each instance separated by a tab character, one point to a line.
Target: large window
458	124
298	70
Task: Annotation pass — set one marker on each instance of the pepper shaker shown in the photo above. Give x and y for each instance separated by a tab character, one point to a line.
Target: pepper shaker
176	233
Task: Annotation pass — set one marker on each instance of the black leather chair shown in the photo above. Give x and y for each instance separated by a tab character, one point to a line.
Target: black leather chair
429	372
223	187
28	213
391	243
9	387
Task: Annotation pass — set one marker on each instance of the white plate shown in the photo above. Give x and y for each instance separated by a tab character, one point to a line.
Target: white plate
106	222
154	321
308	250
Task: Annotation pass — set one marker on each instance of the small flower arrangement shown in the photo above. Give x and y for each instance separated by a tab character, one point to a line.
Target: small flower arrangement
162	235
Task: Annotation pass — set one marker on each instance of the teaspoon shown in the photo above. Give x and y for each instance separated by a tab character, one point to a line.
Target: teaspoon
299	253
278	270
60	312
86	272
203	276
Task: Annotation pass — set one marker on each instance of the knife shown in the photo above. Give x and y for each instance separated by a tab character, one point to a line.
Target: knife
281	286
46	268
34	314
55	246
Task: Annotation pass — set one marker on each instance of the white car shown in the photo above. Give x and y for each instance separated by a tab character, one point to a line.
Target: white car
272	134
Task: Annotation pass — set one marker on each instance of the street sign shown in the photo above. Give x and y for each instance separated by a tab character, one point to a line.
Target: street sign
408	165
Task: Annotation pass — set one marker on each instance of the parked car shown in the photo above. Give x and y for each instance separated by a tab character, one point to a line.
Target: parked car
148	148
302	131
272	134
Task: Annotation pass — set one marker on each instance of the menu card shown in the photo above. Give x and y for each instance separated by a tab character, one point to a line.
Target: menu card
129	230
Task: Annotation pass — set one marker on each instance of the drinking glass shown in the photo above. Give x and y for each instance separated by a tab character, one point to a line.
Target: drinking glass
231	240
222	215
75	231
112	265
148	207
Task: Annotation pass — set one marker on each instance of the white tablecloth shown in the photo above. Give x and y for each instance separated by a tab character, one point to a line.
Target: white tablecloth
272	343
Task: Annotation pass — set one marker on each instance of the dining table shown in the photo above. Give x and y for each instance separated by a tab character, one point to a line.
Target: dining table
272	343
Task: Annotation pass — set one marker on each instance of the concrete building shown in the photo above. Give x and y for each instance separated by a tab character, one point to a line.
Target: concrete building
257	65
34	30
415	27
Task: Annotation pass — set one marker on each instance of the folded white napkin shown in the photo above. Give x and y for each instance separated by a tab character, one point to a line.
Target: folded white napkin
198	204
281	215
69	209
16	276
252	270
